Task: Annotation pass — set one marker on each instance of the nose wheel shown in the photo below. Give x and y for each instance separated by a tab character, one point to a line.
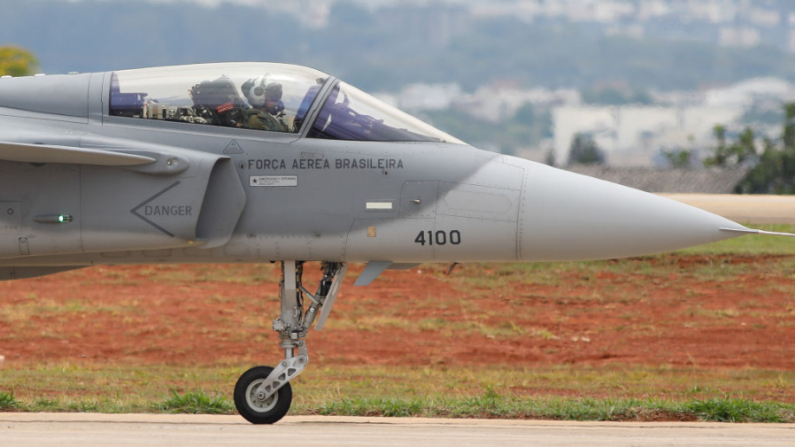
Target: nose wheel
263	394
253	405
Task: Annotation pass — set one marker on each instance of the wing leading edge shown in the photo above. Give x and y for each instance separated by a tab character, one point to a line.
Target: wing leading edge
39	153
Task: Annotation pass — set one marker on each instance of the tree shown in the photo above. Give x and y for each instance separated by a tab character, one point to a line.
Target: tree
742	151
774	172
679	159
789	126
15	61
584	151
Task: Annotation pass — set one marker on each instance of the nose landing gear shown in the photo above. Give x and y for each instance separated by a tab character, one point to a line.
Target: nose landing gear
255	407
263	394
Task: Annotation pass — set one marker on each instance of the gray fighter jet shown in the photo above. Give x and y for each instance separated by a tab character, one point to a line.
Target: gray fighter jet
257	162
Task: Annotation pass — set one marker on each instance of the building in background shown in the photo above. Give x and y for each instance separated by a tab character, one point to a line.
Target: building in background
632	135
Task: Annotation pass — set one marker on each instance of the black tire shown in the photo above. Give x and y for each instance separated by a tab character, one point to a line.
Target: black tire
268	412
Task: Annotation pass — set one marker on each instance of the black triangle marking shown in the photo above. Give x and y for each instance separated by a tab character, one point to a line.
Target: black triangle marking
135	210
233	148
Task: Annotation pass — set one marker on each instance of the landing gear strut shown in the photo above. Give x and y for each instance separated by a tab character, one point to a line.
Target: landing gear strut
263	394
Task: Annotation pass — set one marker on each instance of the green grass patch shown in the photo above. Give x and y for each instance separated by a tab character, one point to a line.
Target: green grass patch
195	402
751	244
487	404
741	410
493	405
8	401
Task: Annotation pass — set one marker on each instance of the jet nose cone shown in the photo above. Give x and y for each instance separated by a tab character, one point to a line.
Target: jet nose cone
566	217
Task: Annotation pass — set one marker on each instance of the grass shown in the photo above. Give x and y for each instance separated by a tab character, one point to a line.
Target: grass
488	404
493	405
35	306
741	410
195	402
751	244
553	392
8	401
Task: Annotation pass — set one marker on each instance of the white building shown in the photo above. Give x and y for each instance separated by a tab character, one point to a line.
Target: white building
631	135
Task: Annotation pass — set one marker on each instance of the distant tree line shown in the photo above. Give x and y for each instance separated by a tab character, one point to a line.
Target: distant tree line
772	170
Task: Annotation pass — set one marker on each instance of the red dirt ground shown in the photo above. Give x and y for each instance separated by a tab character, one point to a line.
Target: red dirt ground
204	315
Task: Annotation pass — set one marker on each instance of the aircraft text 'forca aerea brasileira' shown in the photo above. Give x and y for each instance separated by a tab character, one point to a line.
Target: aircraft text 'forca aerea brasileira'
339	163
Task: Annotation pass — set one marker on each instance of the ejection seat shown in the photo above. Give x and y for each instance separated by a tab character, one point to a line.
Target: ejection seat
219	102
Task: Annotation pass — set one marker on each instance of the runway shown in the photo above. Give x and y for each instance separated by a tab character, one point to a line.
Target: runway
144	430
744	209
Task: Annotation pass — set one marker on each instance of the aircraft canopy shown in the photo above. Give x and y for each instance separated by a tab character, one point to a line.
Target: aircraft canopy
351	114
274	97
263	96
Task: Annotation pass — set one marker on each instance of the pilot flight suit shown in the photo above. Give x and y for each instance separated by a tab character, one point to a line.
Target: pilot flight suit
261	120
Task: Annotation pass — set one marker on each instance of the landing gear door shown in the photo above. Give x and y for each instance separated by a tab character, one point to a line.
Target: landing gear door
10	228
418	200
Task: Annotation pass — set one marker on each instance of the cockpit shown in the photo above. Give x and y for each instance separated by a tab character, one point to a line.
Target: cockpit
267	97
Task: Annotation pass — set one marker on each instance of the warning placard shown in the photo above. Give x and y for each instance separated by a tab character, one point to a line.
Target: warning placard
273	180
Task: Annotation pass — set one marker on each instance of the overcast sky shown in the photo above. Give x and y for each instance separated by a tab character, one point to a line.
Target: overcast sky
281	4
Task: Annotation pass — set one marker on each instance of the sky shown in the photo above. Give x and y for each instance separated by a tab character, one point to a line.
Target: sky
278	3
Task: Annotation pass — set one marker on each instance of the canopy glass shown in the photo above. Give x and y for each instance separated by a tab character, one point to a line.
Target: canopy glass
263	96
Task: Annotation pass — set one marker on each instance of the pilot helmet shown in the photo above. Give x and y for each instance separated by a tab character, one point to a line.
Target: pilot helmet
259	90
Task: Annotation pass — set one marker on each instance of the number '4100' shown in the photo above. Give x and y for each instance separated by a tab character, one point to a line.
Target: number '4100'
438	238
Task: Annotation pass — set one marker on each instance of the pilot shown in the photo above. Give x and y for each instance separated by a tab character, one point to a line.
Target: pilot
265	99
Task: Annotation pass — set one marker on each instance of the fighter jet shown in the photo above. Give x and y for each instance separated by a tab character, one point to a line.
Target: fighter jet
261	162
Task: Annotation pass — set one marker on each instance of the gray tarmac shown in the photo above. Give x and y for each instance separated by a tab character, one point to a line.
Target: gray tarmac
145	430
